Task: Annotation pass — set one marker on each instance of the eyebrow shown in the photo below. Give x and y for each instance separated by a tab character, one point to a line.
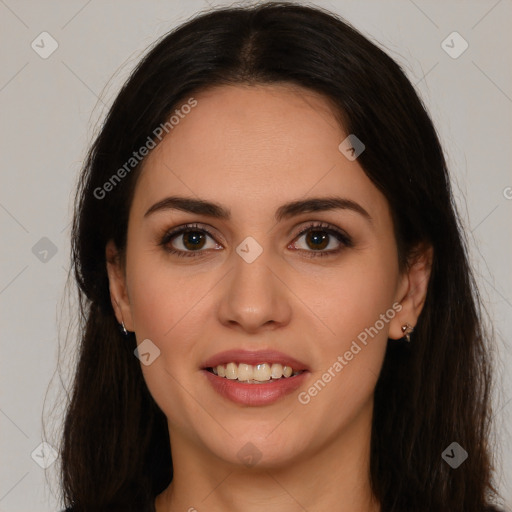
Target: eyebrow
287	210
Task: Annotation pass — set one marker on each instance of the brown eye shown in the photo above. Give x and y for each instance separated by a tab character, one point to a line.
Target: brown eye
188	240
193	240
319	237
317	240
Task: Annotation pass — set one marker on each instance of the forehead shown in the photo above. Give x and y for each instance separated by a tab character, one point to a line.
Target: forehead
254	145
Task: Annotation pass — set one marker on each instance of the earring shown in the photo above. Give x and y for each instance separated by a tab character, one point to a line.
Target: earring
407	330
123	329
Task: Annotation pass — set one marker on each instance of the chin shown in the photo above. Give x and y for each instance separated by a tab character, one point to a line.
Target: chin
257	449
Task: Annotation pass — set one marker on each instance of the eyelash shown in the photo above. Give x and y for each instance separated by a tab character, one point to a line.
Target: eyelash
345	240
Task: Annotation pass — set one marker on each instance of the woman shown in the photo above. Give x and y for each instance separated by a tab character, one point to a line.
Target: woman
267	215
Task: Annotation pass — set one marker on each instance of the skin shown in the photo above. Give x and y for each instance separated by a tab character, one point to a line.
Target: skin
251	149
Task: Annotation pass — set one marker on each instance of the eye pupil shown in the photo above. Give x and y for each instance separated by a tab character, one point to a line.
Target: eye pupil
318	239
194	238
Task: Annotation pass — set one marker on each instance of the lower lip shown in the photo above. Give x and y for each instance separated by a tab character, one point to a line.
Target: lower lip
255	394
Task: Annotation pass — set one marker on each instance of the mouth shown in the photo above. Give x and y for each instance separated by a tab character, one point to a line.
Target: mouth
235	374
261	373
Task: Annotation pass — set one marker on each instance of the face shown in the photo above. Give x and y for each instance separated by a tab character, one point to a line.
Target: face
317	287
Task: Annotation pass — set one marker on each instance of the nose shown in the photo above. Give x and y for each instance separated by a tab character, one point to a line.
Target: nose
255	297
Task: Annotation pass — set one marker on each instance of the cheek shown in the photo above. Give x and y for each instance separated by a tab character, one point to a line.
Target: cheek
163	297
168	309
352	296
357	309
355	302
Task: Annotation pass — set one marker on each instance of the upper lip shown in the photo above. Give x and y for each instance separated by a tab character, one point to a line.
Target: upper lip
253	357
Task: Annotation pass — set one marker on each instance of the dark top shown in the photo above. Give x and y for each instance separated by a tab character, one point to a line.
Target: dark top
490	508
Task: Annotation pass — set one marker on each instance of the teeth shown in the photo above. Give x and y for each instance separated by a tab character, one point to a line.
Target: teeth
231	371
245	372
276	371
263	372
287	371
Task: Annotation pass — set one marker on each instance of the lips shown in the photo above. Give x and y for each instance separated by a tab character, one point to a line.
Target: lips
253	358
250	393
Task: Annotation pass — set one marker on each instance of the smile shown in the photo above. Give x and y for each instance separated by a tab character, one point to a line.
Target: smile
254	374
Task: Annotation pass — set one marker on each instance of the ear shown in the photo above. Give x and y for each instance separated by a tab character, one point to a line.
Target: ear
412	290
117	285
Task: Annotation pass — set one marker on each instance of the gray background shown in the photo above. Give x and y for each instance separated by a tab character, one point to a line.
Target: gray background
52	107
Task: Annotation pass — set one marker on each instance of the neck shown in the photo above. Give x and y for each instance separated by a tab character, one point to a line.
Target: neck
335	477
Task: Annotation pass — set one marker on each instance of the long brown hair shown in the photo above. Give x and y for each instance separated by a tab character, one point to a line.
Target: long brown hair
430	393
